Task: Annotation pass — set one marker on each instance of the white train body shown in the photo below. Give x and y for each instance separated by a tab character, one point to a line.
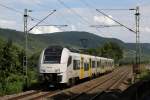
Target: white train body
60	65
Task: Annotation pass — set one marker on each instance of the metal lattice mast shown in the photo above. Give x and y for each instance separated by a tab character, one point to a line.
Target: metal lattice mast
138	47
25	63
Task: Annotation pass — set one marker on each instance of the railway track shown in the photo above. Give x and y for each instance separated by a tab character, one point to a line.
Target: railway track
90	90
23	95
111	87
34	95
86	90
43	95
100	88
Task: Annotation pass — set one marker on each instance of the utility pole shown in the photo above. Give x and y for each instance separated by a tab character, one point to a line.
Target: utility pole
25	61
136	65
26	31
138	47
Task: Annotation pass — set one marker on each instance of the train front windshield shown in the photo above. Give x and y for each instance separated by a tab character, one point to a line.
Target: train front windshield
52	55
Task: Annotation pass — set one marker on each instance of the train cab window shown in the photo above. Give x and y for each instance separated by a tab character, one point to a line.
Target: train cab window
76	64
52	55
69	61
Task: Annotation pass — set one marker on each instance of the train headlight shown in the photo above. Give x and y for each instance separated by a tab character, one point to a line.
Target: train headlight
57	71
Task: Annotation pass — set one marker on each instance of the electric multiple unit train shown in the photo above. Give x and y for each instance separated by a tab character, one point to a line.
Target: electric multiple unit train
60	65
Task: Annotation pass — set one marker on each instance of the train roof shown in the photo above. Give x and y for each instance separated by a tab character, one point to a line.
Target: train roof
73	50
61	47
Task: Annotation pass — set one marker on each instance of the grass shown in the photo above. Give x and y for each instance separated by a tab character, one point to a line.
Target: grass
145	74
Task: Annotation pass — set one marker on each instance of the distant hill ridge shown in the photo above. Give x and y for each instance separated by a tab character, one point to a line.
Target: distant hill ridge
72	38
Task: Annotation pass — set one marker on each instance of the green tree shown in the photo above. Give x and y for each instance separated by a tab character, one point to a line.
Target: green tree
111	50
10	65
108	50
34	58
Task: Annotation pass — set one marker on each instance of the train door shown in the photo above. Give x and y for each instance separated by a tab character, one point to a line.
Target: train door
90	67
102	66
82	68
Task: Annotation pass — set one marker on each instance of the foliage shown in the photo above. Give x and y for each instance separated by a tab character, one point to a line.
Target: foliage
34	58
11	53
108	50
11	69
144	73
112	50
38	42
9	63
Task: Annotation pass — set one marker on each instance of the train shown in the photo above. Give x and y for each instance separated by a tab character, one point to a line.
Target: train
61	65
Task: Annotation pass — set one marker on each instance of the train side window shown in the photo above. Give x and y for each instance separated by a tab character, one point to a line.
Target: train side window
76	64
86	66
103	63
69	61
93	64
98	63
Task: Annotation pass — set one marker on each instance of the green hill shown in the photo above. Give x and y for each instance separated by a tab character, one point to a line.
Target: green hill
40	41
73	39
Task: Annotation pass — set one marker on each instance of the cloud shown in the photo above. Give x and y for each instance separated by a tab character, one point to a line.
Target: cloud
45	29
29	2
7	23
73	28
145	29
104	20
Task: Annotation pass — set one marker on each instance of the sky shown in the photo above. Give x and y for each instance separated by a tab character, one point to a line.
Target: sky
79	15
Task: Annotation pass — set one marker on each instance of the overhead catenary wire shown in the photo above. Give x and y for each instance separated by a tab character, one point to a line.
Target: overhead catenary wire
12	9
18	11
21	13
62	3
42	20
98	10
83	2
117	9
15	10
58	26
86	4
102	26
66	6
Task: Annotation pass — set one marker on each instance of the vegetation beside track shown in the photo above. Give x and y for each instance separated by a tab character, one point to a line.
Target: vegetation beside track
12	75
12	78
144	74
108	50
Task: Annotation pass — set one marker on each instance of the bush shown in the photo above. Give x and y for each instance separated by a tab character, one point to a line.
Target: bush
14	87
12	79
